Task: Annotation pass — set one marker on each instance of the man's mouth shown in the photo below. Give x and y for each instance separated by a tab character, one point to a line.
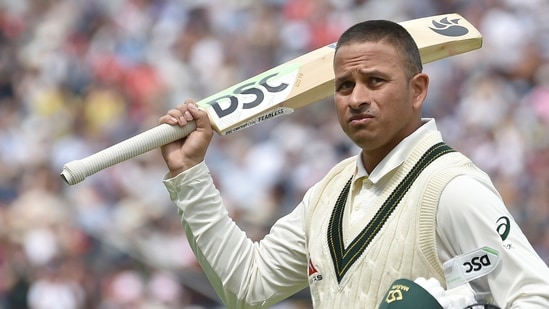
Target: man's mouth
361	117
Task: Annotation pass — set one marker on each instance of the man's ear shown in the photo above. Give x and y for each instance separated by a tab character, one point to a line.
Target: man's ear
419	86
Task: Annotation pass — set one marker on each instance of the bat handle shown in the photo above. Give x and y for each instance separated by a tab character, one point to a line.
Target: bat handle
77	170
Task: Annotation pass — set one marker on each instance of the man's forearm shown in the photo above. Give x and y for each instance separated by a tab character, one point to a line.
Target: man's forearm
244	274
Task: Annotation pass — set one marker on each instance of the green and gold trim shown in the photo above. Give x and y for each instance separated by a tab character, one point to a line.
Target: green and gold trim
343	258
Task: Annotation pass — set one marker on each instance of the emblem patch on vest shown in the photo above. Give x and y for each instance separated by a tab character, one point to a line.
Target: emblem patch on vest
314	274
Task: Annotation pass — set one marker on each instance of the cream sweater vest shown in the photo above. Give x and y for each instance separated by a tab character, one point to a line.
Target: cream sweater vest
405	246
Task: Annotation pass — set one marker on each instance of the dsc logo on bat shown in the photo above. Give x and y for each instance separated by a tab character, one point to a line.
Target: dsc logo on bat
476	263
253	100
255	90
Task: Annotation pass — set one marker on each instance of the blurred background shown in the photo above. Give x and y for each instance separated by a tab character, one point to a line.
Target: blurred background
77	76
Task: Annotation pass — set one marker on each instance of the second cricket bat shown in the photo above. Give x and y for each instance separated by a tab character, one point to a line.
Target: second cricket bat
278	91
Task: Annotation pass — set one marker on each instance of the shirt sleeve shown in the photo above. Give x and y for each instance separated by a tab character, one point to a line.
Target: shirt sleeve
245	274
470	216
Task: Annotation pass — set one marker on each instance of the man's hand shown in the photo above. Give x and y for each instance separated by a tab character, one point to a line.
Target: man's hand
457	298
191	150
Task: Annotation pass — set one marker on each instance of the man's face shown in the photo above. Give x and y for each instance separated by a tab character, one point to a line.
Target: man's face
377	104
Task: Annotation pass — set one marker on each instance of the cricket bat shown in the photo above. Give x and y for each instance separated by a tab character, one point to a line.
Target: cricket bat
278	91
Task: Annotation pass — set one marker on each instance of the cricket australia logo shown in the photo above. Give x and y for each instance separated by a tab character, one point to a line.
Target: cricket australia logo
393	295
449	27
396	293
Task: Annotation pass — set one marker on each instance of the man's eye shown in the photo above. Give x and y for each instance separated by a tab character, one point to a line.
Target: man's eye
375	81
345	86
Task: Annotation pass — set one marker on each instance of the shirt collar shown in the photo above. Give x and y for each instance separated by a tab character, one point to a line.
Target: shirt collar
397	156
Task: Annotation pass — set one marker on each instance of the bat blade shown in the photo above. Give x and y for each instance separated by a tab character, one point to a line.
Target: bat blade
278	91
309	78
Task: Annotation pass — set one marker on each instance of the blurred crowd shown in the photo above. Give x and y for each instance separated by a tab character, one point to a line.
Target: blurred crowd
77	76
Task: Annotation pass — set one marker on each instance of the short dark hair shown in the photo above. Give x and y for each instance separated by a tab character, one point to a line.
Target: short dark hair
390	32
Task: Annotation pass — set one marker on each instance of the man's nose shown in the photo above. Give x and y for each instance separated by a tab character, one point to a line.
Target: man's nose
360	96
